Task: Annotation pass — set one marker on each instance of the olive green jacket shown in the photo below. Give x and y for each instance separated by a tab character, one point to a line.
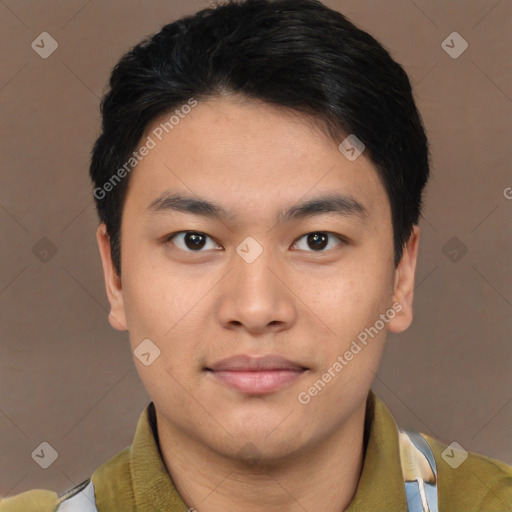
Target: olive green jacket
136	479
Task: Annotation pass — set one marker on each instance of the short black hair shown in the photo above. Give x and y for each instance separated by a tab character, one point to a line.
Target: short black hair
297	54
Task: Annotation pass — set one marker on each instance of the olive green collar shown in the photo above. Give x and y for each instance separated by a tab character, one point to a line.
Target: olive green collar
381	484
137	480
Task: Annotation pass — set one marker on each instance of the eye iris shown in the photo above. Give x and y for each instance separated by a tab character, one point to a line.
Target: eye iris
197	240
318	240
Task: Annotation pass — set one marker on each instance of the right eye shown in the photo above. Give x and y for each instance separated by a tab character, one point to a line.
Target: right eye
190	241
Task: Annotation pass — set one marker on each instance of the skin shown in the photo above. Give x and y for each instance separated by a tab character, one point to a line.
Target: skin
303	304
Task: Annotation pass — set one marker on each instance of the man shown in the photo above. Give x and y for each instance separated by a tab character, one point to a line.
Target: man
259	181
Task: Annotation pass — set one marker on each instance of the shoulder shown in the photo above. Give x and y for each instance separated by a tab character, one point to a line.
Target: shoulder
470	481
37	500
80	498
111	479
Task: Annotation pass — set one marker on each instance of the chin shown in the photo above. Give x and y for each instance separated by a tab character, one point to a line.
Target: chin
263	444
261	452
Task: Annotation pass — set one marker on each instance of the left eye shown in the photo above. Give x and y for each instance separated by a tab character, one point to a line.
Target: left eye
318	240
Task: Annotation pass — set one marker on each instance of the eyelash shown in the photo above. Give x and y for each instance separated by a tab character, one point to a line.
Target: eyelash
340	238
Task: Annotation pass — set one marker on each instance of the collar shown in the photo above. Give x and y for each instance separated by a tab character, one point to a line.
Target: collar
152	486
137	480
381	484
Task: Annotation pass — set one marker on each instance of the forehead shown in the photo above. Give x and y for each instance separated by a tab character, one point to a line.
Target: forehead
248	156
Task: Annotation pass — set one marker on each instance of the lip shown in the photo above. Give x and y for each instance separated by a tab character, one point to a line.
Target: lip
247	363
256	375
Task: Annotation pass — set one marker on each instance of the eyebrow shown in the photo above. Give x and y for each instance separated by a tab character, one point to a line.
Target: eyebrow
345	206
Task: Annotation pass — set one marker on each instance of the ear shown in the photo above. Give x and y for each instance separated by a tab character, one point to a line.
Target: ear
404	284
117	317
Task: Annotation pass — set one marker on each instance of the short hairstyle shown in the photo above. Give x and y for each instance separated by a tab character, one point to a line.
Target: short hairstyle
296	54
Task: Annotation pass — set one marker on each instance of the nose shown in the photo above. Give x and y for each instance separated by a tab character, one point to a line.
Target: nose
257	295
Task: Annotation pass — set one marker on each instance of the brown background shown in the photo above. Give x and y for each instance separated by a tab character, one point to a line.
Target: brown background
67	378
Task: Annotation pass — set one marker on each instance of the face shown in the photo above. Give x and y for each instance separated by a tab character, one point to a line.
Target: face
286	289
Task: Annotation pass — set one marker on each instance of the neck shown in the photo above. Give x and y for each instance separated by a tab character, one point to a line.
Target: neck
321	477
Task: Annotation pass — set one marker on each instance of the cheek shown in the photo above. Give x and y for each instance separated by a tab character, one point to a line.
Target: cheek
158	309
351	299
148	285
145	299
351	306
167	310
